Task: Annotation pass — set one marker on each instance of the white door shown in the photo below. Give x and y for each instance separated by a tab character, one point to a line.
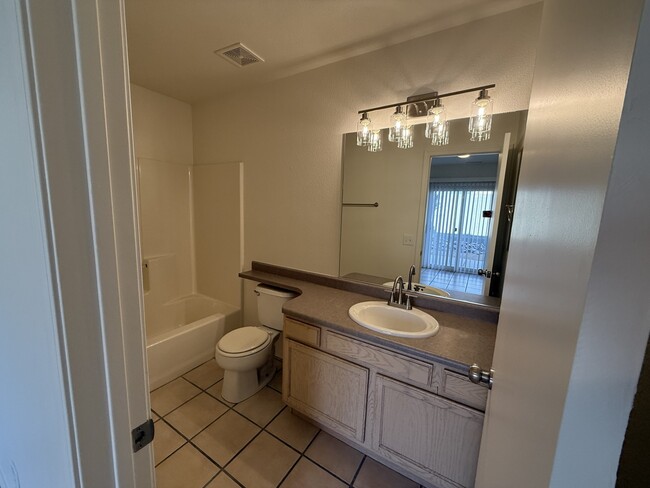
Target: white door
66	125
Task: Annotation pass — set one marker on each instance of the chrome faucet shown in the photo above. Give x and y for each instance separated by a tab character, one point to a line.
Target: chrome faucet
403	298
411	275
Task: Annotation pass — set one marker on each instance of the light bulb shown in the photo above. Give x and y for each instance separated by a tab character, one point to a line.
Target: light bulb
406	141
364	128
440	136
480	121
397	124
436	117
375	142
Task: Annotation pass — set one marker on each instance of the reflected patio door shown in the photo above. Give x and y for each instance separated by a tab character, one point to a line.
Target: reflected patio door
456	232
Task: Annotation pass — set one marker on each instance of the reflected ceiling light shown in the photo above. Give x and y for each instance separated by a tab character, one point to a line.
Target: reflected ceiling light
364	128
463	156
480	120
437	125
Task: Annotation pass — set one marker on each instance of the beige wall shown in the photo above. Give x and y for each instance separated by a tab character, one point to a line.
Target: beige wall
289	132
218	194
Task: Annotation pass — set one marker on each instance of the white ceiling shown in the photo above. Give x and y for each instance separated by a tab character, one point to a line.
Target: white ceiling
172	42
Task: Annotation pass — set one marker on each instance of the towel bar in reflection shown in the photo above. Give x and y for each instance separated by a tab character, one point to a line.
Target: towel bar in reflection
376	204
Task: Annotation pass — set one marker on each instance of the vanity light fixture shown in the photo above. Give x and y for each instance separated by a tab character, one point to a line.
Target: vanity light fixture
437	125
480	120
364	128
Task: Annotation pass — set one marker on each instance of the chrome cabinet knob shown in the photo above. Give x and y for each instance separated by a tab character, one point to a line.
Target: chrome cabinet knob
477	376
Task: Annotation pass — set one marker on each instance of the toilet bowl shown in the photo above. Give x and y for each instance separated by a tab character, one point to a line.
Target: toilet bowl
246	353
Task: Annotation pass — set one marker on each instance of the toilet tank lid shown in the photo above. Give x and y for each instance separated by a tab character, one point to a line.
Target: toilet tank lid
278	292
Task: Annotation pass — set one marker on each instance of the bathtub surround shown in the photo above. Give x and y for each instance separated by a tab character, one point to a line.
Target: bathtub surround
191	237
162	127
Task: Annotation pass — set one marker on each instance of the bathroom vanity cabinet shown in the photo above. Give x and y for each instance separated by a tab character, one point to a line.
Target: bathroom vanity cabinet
420	417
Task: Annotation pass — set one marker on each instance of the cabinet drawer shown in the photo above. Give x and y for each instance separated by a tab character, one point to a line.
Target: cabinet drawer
380	359
330	390
307	334
460	388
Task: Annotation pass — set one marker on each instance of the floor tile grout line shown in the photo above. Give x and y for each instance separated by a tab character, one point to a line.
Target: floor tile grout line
233	478
187	441
262	429
332	473
289	471
225	467
212	479
253	438
304	454
354	478
189	438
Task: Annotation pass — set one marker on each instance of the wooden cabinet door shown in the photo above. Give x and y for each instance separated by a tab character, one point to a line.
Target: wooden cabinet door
429	435
328	389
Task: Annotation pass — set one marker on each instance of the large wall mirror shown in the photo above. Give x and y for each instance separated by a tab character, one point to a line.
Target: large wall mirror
445	209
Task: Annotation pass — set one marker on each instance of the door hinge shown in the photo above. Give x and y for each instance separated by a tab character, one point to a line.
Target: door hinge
142	435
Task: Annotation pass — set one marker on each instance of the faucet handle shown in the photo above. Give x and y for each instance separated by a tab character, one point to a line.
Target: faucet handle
408	296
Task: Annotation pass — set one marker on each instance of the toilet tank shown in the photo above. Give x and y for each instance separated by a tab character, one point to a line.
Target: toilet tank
269	305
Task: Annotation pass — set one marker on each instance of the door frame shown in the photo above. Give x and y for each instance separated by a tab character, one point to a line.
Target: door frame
81	120
424	196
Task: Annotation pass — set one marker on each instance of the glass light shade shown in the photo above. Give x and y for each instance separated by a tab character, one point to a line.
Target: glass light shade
397	125
436	117
375	143
440	137
406	141
364	128
480	121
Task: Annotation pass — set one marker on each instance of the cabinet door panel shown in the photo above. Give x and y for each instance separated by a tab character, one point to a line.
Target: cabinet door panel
328	389
427	434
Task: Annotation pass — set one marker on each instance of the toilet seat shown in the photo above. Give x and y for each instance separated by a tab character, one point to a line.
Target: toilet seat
244	341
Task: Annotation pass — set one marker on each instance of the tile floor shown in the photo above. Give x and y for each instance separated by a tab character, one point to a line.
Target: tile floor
450	281
202	441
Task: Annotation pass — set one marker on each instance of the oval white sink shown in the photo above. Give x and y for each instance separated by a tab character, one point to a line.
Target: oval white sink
381	317
420	288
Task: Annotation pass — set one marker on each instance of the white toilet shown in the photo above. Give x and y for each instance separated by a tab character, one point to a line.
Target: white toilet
246	354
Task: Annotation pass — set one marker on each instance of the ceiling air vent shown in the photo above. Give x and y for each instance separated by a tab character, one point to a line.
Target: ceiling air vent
239	55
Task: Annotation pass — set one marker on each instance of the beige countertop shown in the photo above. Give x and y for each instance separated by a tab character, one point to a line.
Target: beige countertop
461	341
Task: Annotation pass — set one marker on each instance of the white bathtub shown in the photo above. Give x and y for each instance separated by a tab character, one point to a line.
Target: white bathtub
188	330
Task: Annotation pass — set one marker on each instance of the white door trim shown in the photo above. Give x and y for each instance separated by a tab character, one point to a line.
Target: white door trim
80	88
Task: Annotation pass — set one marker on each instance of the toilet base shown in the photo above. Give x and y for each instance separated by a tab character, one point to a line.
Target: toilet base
240	385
